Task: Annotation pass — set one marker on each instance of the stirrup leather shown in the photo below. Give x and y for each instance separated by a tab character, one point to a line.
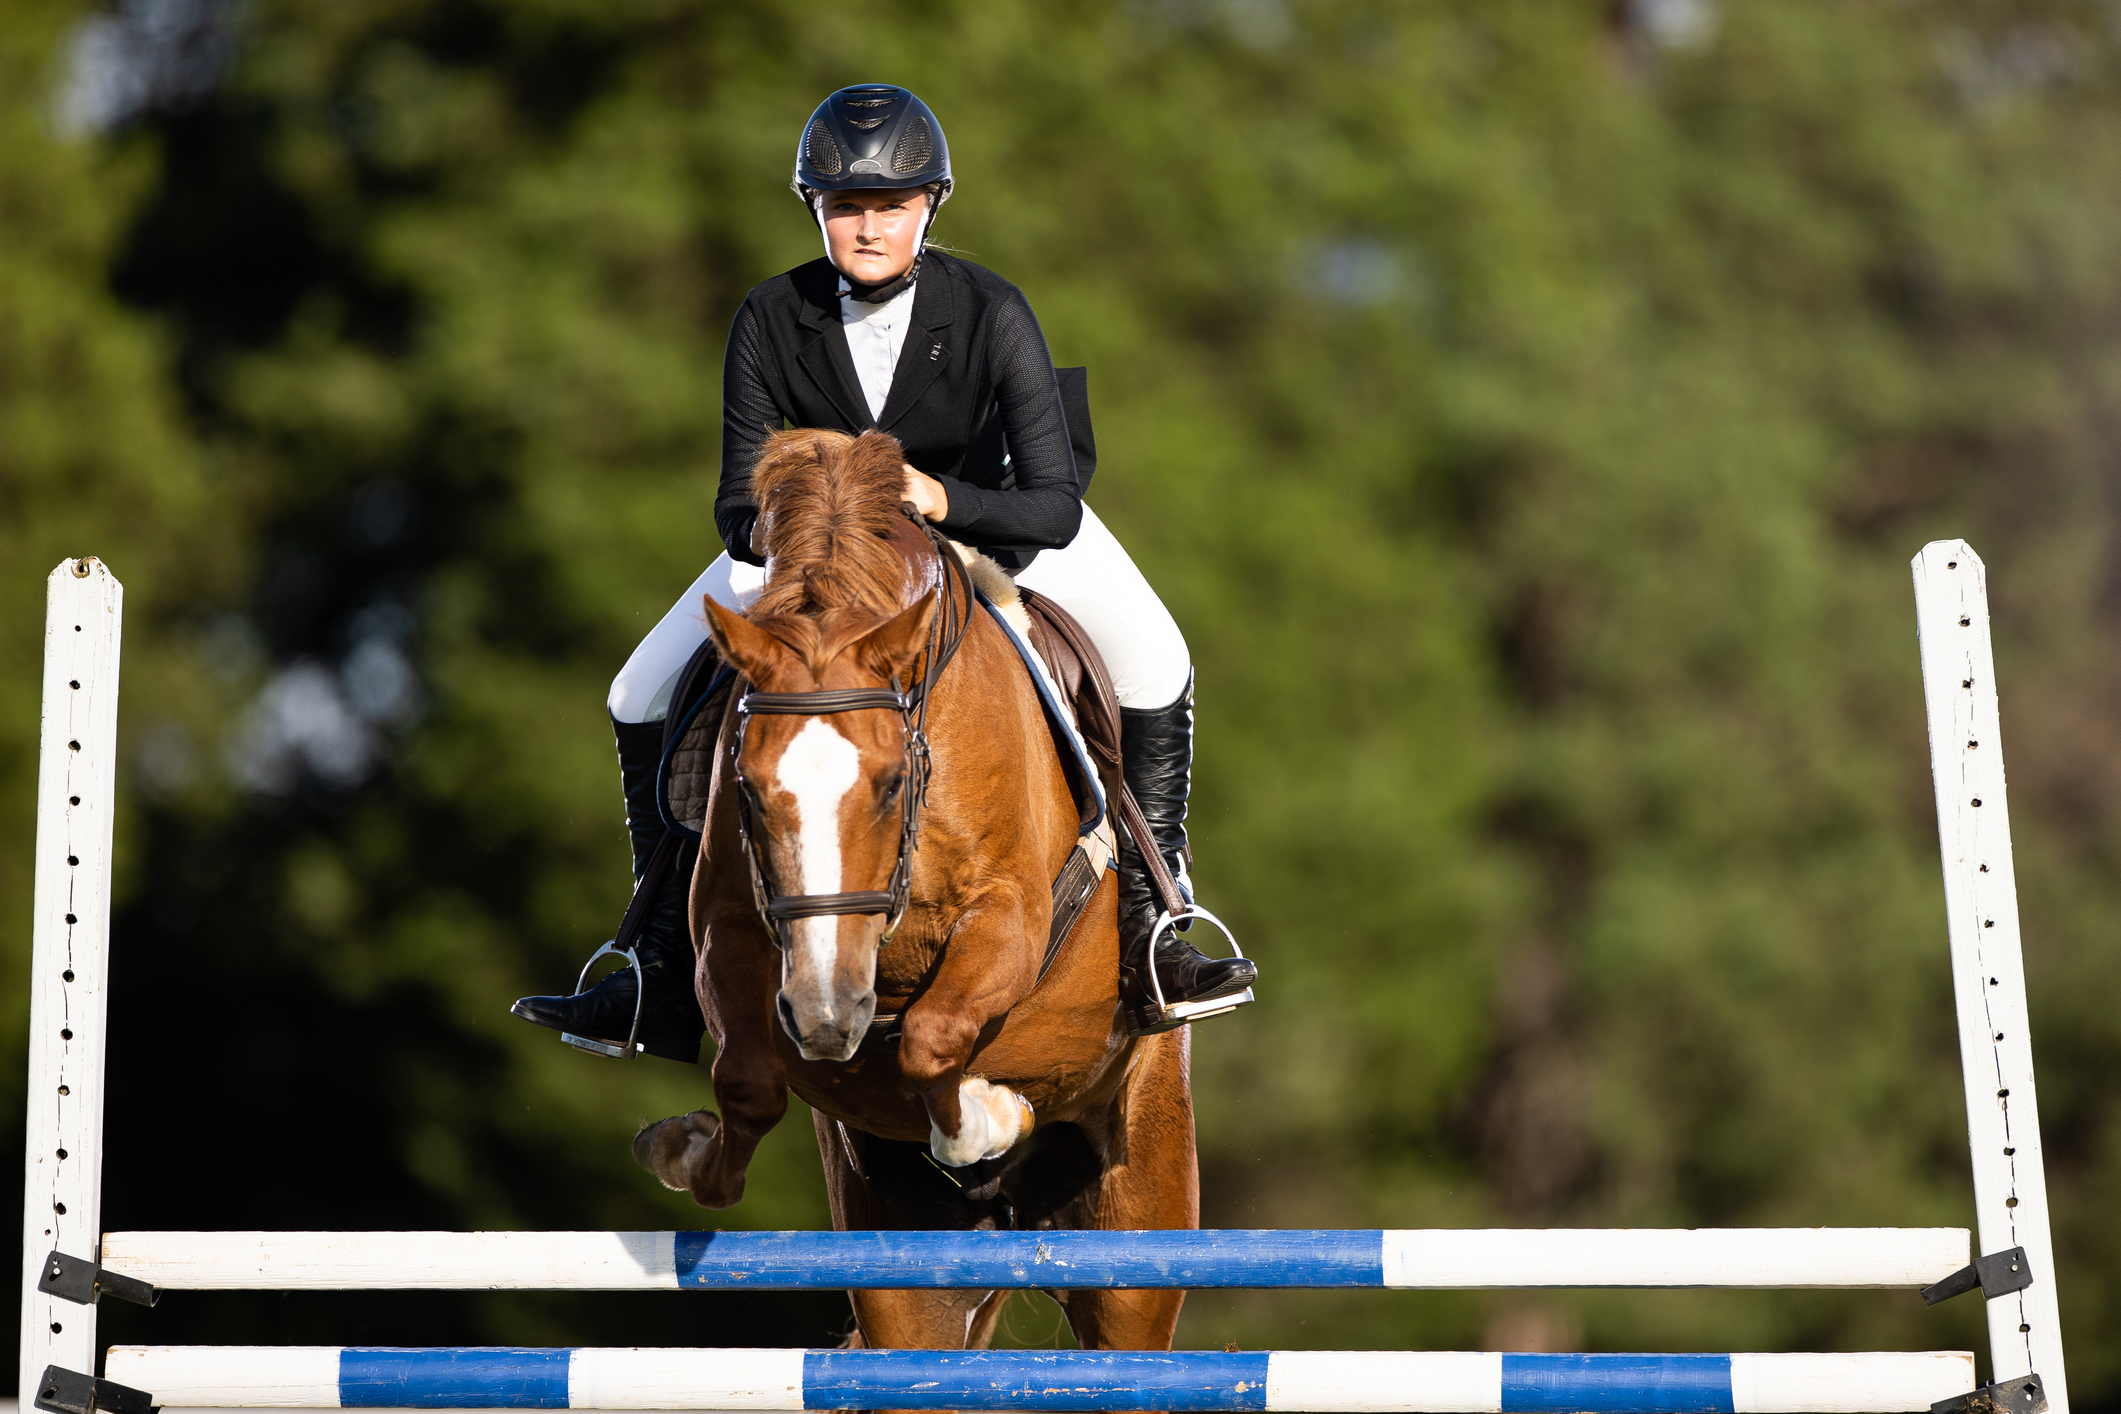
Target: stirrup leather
632	1048
1174	1014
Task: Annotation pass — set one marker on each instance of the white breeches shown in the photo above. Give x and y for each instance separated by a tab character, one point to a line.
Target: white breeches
1092	578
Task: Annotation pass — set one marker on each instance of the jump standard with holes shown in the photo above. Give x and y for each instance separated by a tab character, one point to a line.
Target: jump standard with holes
69	1262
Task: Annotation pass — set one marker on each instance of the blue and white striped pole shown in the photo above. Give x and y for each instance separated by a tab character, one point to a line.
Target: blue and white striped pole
1368	1382
1434	1259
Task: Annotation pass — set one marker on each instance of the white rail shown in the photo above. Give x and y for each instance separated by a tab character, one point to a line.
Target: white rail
1435	1259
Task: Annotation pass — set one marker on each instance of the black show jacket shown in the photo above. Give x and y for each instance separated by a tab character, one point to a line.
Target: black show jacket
975	401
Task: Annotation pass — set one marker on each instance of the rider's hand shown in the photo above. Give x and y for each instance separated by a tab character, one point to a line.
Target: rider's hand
758	535
927	495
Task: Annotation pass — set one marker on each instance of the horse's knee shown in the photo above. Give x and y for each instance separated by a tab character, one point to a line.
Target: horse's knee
752	1103
675	1150
932	1050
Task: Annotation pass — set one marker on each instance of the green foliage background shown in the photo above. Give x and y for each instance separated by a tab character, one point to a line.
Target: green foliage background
1527	409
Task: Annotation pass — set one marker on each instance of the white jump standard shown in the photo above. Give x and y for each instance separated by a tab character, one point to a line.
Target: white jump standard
67	1265
69	958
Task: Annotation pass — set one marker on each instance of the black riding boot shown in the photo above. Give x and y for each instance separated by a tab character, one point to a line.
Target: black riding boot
670	1010
1156	749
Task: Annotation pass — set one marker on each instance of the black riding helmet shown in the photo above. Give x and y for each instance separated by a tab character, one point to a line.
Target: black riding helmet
871	135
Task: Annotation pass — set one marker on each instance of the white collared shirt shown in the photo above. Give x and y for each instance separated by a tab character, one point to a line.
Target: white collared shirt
875	334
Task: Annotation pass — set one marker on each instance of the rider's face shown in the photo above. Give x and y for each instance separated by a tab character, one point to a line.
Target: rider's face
874	235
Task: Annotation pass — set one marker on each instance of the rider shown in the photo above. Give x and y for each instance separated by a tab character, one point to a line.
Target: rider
944	355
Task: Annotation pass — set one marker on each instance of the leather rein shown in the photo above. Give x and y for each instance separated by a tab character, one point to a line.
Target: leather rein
779	910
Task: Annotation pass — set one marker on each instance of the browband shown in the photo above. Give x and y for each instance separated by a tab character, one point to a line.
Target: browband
807	704
826	905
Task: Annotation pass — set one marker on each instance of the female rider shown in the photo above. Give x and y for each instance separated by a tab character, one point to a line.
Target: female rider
948	358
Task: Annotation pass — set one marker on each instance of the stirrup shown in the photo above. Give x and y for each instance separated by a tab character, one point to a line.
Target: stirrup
632	1048
1176	1014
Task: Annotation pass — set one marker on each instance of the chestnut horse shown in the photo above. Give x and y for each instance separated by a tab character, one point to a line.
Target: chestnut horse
1036	1106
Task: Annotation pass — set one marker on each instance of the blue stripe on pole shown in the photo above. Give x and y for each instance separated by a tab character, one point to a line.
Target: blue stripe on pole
1181	1258
492	1378
1034	1379
1618	1384
489	1378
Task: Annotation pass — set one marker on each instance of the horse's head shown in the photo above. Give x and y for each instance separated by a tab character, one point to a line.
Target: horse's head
824	799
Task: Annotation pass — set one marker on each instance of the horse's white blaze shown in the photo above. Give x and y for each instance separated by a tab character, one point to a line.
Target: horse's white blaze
819	767
991	1118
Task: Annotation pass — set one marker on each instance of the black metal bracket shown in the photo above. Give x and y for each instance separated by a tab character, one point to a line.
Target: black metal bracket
2024	1395
1997	1274
81	1281
69	1392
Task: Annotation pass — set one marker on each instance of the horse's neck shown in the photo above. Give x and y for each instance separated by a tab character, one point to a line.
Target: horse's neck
989	725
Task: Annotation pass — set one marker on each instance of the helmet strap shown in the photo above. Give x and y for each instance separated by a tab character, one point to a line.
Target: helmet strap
889	290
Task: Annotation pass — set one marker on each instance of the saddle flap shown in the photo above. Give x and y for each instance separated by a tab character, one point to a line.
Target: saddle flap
1061	663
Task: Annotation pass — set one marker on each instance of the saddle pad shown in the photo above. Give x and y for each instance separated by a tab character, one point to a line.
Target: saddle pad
691	768
690	733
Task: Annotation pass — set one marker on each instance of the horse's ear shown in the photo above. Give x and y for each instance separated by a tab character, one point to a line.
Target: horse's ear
892	645
743	644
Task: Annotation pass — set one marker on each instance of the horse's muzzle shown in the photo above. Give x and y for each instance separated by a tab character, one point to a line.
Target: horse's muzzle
826	1033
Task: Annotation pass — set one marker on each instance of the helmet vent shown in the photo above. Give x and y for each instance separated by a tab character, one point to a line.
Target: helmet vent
915	146
865	124
823	152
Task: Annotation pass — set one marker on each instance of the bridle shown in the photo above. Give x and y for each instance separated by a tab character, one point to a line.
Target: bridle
946	631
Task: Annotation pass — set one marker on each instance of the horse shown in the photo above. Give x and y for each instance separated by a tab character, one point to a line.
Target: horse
1009	1099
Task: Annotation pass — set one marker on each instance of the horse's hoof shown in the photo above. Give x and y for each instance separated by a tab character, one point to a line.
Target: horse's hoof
672	1149
990	1119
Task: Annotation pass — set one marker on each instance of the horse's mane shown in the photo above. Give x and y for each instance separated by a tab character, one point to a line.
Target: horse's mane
830	503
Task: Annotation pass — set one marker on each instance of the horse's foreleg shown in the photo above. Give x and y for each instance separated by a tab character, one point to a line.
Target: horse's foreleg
969	1118
927	1320
1151	1180
705	1154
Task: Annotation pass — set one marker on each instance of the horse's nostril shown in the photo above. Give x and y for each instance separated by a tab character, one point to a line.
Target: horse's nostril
787	1015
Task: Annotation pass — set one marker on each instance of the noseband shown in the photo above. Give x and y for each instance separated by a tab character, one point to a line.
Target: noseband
945	633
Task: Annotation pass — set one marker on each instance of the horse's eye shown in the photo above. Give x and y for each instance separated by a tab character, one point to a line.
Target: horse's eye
891	790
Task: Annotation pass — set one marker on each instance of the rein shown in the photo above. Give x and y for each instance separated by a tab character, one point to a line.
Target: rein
778	910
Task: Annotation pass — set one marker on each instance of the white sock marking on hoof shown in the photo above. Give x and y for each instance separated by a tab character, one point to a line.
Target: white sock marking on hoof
991	1118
